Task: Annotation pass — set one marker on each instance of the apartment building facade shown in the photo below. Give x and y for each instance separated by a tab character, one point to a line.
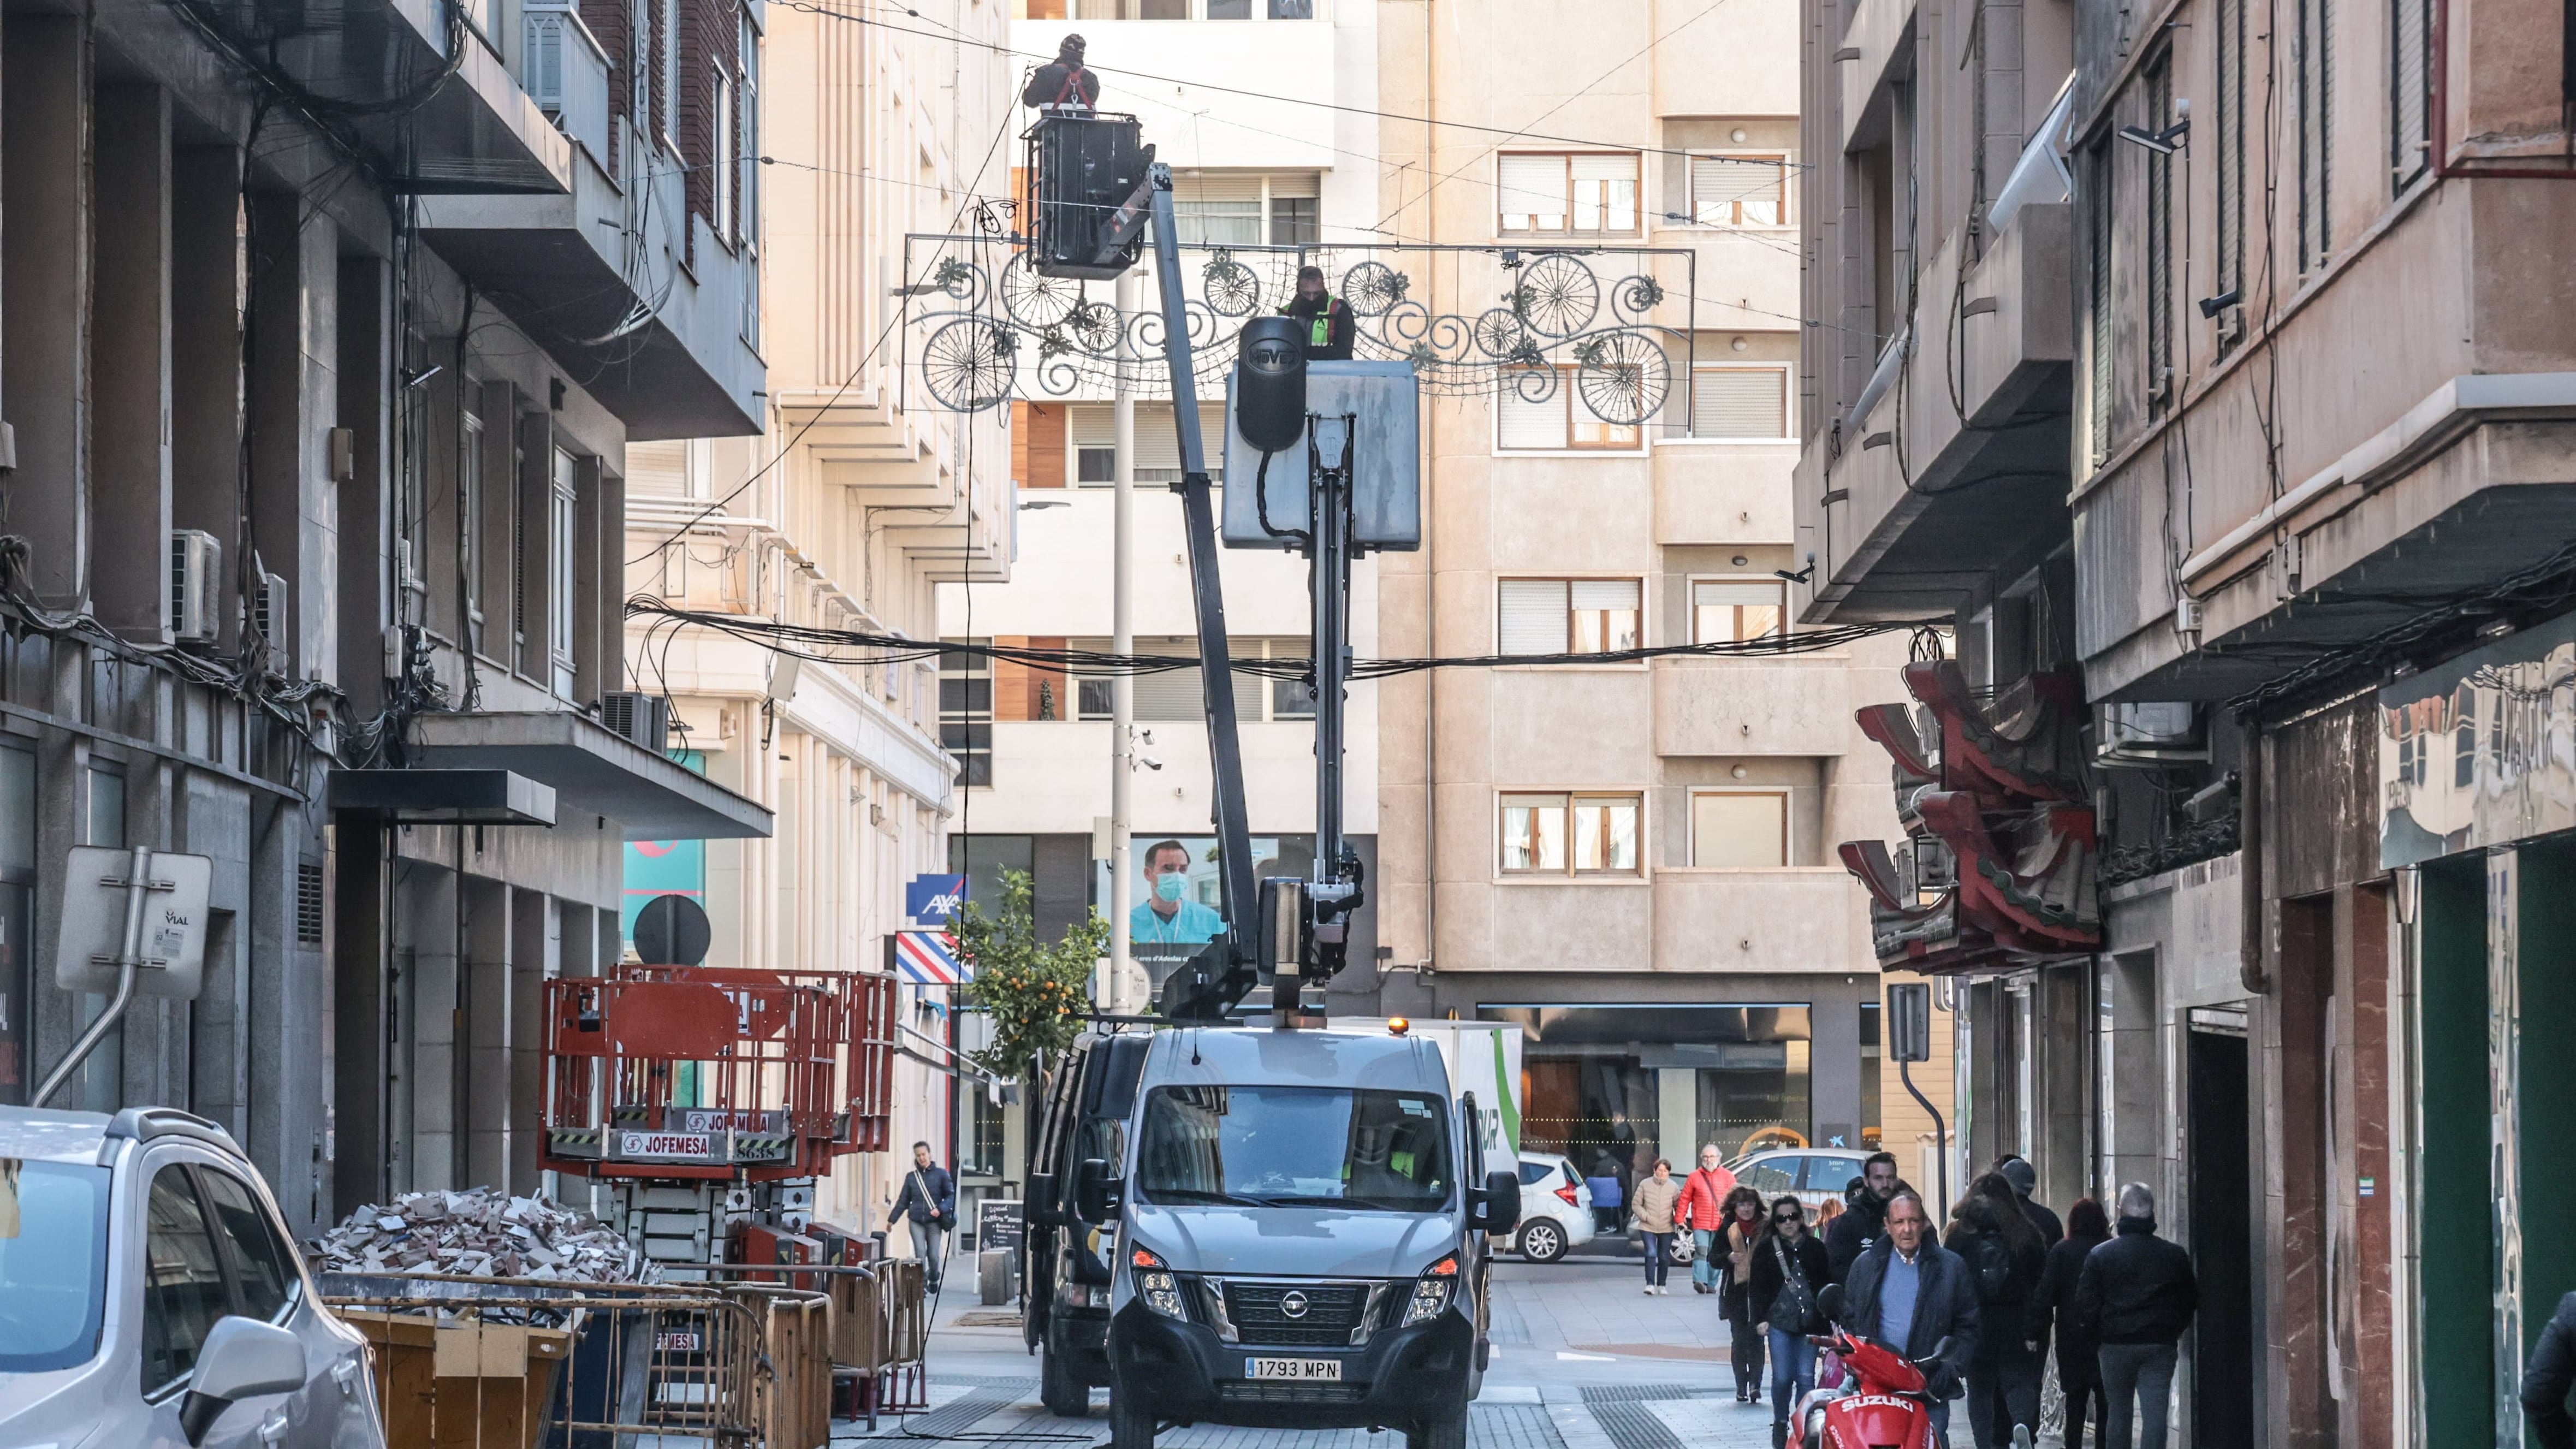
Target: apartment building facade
844	510
1632	860
2300	600
320	413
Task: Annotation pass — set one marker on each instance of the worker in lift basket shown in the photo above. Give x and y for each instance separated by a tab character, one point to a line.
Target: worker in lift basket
1063	86
1325	318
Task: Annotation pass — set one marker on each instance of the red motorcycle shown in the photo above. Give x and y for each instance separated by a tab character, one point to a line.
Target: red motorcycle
1883	1403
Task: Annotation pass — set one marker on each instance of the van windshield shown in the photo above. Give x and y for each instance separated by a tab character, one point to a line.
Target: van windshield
1366	1149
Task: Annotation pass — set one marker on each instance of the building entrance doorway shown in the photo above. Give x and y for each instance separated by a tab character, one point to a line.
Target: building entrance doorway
2217	1162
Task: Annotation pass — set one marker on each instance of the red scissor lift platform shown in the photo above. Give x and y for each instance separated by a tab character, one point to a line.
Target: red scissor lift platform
782	1070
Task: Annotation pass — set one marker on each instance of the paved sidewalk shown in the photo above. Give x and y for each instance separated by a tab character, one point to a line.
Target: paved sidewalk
1582	1360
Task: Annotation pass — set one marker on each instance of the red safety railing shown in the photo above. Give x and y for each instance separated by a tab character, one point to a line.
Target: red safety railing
707	1072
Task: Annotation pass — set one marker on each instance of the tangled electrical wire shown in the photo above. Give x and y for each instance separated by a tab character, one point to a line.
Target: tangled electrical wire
309	710
834	646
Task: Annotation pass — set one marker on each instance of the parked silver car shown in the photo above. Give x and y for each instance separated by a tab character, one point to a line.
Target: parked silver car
151	1299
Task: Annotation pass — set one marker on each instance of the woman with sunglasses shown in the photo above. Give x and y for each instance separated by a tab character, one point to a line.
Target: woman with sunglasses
1789	1269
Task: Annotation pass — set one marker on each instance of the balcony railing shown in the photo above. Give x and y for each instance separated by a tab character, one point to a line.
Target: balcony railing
565	69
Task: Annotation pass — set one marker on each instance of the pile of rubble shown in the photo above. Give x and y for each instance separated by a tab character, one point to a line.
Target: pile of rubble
481	1233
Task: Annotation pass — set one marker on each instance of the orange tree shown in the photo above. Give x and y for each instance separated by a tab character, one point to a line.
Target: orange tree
1036	994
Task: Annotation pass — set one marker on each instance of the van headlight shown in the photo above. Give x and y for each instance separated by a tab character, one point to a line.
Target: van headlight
1432	1292
1155	1284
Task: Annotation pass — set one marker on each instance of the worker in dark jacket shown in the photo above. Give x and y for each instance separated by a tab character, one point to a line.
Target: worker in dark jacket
1863	1216
1912	1294
2079	1370
1326	318
2025	1180
2547	1378
1063	84
2137	1293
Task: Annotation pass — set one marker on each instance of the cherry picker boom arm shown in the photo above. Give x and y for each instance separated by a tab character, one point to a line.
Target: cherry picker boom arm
1222	974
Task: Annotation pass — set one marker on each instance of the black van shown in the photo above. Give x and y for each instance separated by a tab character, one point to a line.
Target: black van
1066	1264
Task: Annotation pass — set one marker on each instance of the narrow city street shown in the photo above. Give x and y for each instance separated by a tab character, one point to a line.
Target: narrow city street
1582	1360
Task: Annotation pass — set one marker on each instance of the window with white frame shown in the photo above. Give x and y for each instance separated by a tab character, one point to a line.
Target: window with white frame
1725	611
1247	209
1745	188
669	56
1175	694
1740	829
1561	193
1570	833
1559	422
726	148
1568	616
562	574
1091	431
1733	400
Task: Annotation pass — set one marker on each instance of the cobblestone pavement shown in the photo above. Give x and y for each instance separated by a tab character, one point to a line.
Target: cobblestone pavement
1582	1360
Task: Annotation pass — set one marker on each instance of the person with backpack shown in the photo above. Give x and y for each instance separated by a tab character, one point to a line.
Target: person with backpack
1790	1270
2005	1259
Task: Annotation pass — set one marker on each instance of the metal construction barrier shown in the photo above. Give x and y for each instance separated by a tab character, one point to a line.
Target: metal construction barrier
517	1363
874	1339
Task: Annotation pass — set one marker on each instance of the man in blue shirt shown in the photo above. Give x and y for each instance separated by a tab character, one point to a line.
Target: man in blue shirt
1910	1293
1167	916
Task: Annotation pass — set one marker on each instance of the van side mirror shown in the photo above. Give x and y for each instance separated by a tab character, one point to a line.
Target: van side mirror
243	1358
1497	1209
1041	1211
1096	1195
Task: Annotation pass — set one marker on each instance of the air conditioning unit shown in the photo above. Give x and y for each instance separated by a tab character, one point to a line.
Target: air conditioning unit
196	569
268	610
2160	733
644	719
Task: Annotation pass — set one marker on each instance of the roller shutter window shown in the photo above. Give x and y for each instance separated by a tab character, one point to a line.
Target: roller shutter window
657	470
1296	217
1740	829
1532	616
1605	191
1606	614
1520	423
1740	402
1222	211
1533	833
1093	430
1738	190
1533	193
1726	611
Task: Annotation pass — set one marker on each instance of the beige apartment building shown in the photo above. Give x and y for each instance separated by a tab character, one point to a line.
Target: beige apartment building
1632	860
844	513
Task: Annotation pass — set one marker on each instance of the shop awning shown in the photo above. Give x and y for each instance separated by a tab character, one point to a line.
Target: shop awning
592	771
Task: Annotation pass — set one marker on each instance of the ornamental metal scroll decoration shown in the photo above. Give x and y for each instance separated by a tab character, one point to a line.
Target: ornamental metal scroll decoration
1612	325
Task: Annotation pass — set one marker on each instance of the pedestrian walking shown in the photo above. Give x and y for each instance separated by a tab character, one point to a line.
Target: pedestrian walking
2025	1181
2137	1294
1790	1271
1863	1215
929	1202
2548	1377
2006	1257
1910	1293
1657	1197
1703	1214
1609	1197
2079	1374
1738	1243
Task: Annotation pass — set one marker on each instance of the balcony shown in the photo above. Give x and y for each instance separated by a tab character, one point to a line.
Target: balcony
458	122
1790	920
1723	492
1799	706
612	273
1952	466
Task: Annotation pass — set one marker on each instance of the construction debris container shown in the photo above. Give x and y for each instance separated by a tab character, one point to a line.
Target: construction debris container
462	1385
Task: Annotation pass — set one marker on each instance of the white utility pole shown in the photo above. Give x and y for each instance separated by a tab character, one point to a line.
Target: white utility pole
1125	992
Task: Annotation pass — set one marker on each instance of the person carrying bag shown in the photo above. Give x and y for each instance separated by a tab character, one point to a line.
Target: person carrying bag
929	1202
1790	1266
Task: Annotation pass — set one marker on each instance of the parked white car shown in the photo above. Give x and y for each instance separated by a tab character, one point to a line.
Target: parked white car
1556	1209
150	1297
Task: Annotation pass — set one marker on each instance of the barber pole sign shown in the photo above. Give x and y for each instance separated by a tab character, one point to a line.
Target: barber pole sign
928	958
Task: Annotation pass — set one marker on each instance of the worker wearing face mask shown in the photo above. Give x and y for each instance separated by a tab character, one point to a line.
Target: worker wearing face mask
1168	917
